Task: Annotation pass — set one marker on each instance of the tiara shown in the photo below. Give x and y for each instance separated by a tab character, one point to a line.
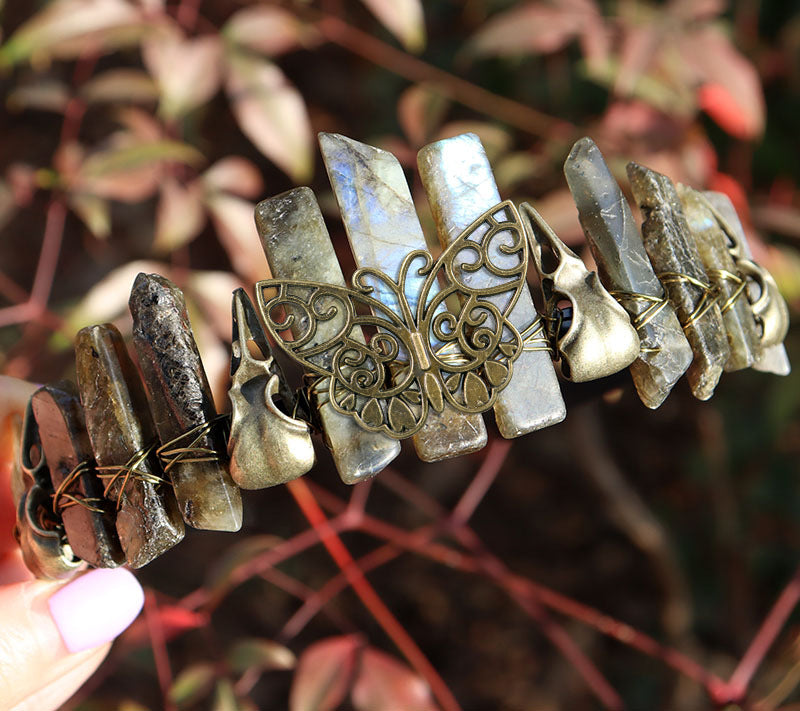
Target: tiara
418	345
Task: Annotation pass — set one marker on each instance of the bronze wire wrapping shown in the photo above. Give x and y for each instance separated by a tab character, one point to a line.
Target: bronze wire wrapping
115	472
61	492
656	304
534	338
168	454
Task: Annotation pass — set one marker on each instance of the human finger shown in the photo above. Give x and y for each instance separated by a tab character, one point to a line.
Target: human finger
53	636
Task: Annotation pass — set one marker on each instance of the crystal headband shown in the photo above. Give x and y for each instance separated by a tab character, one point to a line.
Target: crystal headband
415	347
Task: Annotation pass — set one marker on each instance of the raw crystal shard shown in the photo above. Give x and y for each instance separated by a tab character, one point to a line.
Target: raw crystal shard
382	226
672	252
78	493
297	245
192	444
723	273
772	358
460	186
123	439
267	445
625	270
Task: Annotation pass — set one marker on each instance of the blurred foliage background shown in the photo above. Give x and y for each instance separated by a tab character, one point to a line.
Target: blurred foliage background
138	135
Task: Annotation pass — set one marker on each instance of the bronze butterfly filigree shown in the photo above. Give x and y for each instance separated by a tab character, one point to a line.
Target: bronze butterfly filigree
440	333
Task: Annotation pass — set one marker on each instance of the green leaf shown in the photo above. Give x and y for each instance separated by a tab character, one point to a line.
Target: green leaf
261	654
94	212
225	697
192	684
120	85
132	157
41	95
69	28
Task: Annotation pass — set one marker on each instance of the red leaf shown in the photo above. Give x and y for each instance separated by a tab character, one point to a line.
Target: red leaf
235	175
179	216
324	674
536	27
638	46
420	111
175	620
271	113
385	684
724	183
187	71
729	87
403	18
268	29
236	229
720	105
697	9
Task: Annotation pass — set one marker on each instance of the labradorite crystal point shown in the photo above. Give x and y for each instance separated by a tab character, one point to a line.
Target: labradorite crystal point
458	180
119	425
671	249
712	245
382	227
65	444
180	400
297	245
623	266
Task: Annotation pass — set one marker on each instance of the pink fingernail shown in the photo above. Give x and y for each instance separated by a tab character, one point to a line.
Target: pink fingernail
96	607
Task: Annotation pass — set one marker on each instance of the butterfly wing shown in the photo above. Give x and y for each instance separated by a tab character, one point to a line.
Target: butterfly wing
473	347
322	326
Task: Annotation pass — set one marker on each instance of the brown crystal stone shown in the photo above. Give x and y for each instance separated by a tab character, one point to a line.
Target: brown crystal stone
626	272
677	264
182	407
123	438
298	247
78	492
712	245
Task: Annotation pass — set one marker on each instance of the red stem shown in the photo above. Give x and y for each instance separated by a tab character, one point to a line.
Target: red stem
496	454
355	577
159	644
589	616
736	688
406	65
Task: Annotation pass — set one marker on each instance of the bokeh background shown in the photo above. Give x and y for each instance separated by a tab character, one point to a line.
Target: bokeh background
623	559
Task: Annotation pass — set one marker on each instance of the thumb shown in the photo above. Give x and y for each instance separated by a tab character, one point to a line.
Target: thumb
53	637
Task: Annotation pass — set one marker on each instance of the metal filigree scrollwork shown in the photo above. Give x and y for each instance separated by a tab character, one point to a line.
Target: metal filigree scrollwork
421	355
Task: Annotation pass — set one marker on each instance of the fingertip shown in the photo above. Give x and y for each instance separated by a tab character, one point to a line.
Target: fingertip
96	607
